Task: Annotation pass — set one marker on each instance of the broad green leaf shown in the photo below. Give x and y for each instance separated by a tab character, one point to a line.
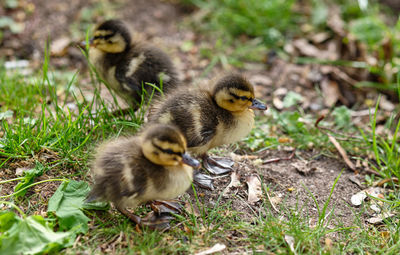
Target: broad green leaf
7	219
29	177
320	13
67	204
342	116
95	205
292	98
369	30
31	235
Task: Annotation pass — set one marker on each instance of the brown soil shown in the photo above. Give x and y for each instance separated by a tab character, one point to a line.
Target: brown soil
291	182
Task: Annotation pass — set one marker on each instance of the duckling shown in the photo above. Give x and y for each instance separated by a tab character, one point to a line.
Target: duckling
133	170
127	66
211	117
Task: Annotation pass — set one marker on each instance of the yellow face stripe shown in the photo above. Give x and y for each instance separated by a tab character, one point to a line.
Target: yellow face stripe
102	33
114	44
241	93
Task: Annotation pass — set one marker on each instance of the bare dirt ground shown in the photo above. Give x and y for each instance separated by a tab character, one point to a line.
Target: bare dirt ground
159	23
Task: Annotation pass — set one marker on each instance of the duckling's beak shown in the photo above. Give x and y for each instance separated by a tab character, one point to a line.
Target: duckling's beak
188	160
258	105
83	43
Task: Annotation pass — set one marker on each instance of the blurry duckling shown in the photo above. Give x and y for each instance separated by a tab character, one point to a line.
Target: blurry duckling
127	66
133	170
211	117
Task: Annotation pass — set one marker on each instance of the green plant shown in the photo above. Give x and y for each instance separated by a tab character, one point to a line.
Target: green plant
386	149
30	235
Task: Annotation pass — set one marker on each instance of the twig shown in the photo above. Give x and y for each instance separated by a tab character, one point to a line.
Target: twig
370	171
270	201
339	147
323	129
386	180
319	120
273	160
76	241
342	152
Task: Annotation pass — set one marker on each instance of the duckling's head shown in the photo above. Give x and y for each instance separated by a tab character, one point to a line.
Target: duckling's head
111	36
235	94
165	145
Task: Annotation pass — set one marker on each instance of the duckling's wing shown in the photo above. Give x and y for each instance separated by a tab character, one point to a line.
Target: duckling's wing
129	84
204	136
133	181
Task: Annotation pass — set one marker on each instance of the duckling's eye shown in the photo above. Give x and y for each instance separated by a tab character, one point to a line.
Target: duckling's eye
244	98
169	151
235	96
231	100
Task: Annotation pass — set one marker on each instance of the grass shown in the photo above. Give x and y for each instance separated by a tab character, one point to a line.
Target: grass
42	123
49	123
247	31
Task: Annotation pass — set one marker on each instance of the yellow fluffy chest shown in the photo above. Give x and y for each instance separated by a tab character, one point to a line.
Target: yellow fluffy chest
232	133
179	180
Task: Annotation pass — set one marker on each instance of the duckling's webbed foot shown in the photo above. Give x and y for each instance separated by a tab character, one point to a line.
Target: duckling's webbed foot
160	217
152	220
218	165
202	180
171	206
130	215
157	221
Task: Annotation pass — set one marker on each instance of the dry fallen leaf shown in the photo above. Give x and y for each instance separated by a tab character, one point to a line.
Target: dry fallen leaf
386	104
216	248
304	168
375	207
385	234
20	170
278	103
261	80
306	48
254	185
358	198
14	64
235	182
320	37
378	219
290	241
193	209
284	140
331	92
335	21
237	158
59	47
355	180
328	243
